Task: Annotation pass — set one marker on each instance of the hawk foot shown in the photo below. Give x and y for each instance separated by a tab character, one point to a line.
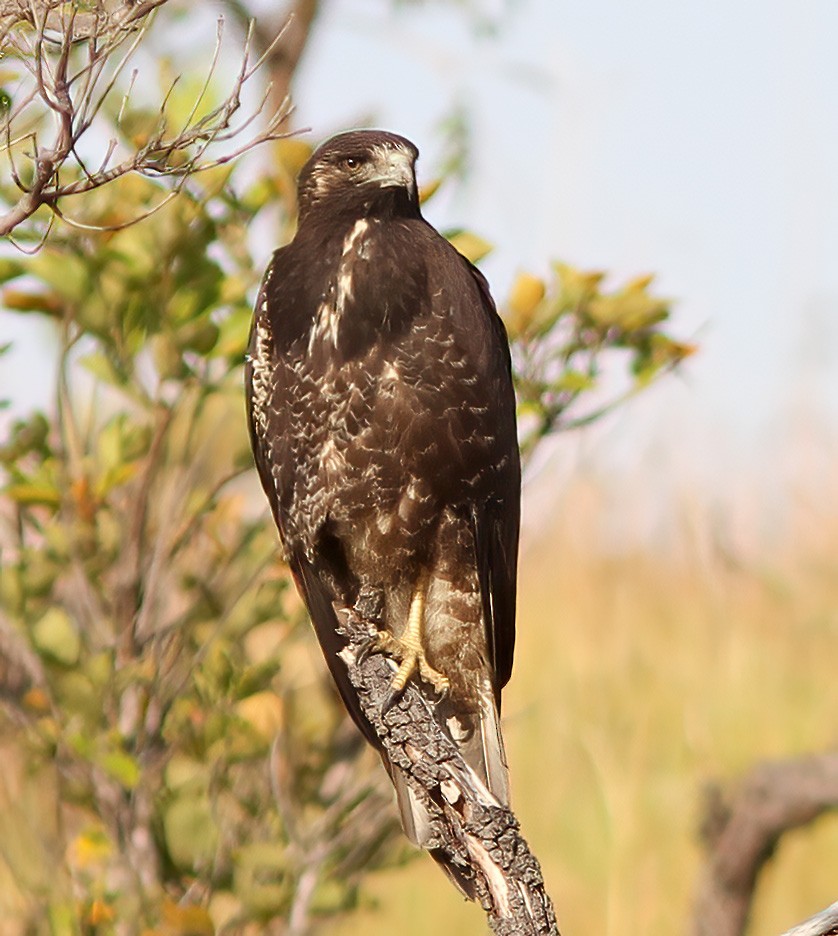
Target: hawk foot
411	658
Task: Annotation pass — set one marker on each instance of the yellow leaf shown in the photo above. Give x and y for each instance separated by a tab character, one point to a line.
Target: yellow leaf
21	300
683	349
36	700
640	283
527	292
100	912
584	280
524	298
471	246
263	711
90	848
428	190
186	920
292	154
224	907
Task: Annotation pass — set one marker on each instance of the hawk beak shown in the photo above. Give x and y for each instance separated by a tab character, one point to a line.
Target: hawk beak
396	169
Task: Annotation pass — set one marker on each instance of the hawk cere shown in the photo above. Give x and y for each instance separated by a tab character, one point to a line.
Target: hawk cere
382	419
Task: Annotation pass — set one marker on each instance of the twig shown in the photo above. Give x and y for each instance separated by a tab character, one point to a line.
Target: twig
76	97
280	52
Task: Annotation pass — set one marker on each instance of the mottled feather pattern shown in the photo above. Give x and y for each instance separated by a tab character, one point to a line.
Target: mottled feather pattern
383	424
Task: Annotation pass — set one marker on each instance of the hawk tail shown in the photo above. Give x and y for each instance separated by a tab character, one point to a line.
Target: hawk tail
478	738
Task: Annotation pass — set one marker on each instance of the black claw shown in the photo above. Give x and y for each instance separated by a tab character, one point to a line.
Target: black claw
391	699
440	695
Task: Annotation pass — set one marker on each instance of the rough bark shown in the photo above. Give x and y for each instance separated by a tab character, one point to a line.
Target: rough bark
473	832
741	831
824	923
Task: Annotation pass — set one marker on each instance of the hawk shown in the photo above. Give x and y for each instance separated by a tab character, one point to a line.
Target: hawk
382	419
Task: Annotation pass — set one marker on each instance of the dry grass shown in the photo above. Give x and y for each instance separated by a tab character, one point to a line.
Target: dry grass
640	676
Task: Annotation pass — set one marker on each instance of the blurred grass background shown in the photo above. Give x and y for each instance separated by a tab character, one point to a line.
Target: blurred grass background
641	675
643	672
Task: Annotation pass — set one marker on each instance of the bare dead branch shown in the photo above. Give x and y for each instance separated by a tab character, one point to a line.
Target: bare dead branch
824	923
476	839
280	52
75	89
742	830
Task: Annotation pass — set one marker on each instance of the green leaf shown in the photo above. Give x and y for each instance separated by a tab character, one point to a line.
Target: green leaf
257	196
10	268
56	638
12	591
76	695
200	336
262	878
167	358
103	368
233	334
67	273
33	493
575	381
27	435
63	918
122	767
190	831
186	774
39	573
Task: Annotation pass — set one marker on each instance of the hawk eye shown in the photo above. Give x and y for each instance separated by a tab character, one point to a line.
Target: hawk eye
352	162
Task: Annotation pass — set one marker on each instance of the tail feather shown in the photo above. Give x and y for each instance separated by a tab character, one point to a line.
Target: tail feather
477	733
479	739
414	815
494	752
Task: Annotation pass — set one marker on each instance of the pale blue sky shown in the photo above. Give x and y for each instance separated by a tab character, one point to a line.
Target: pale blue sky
699	141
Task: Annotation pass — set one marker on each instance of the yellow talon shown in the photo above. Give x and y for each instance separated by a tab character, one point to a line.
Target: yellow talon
408	649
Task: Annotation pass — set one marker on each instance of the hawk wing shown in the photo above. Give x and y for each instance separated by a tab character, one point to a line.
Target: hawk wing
273	453
496	524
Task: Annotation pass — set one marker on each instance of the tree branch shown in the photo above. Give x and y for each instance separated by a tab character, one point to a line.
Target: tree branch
742	831
283	57
474	835
824	923
75	97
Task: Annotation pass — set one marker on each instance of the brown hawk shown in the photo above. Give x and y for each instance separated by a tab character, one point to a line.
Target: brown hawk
382	418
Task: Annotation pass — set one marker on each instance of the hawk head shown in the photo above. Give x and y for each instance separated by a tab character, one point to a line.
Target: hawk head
356	171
